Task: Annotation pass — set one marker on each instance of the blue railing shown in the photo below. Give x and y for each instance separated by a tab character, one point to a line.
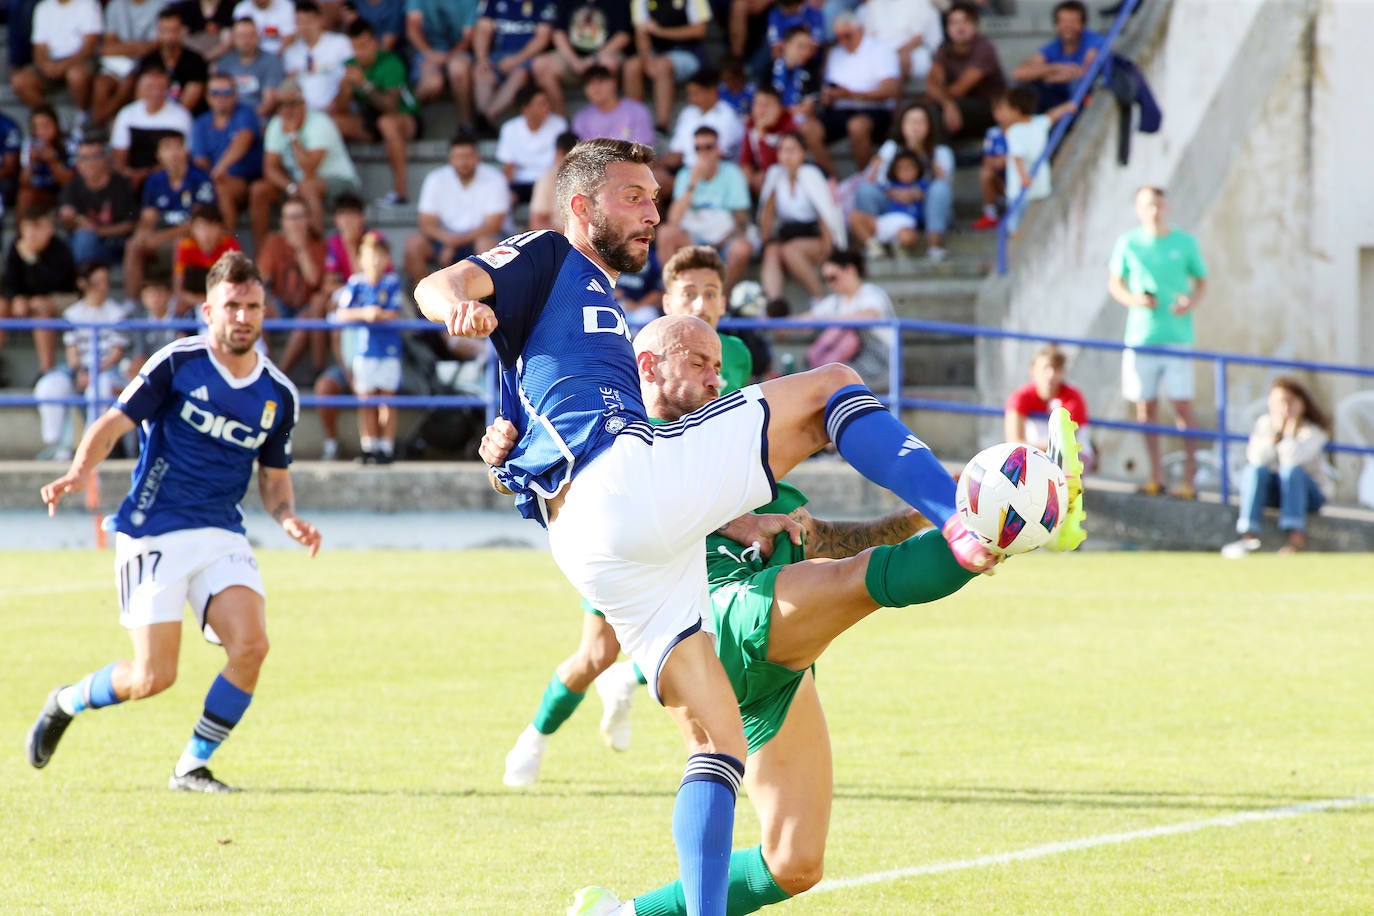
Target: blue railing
1080	92
895	398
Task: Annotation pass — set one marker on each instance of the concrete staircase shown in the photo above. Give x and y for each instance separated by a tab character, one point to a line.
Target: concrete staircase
940	367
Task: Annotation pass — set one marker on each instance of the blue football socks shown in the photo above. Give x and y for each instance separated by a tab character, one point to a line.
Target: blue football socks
225	705
91	692
703	827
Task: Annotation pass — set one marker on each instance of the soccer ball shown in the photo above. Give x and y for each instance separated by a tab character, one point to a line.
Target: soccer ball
1013	497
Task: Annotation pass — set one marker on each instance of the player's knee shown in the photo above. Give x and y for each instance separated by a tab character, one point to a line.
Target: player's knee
796	870
601	654
833	376
249	652
150	678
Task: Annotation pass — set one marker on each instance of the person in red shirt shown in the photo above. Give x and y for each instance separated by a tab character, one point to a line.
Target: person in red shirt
768	121
1028	406
196	254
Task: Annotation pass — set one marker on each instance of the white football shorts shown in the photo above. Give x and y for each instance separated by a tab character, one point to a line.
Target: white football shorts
630	535
1144	374
376	373
158	575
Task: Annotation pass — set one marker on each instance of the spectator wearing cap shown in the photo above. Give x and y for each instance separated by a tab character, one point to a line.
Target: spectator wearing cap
462	207
303	154
226	142
609	115
862	81
65	37
668	50
255	74
589	33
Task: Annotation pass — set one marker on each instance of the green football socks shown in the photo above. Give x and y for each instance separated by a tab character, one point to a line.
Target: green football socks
558	703
918	570
751	889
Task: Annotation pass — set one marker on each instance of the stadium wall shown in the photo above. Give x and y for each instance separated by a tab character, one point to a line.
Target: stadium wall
1264	154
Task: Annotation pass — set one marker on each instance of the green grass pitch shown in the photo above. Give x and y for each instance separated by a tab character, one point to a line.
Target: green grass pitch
1064	699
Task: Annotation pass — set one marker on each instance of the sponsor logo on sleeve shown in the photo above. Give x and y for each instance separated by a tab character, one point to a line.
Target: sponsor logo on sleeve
499	256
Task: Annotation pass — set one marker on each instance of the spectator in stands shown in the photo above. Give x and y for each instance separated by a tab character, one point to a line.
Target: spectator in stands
766	126
255	74
292	266
1054	70
46	160
965	76
95	307
735	88
852	299
209	26
641	294
1158	274
904	216
607	114
914	132
1028	407
1027	134
461	210
375	103
668	50
142	123
341	248
746	22
303	155
11	144
187	72
38	279
799	220
439	33
317	57
1285	468
783	17
197	252
373	296
862	82
711	207
704	108
226	142
275	19
508	36
130	34
387	19
542	197
526	147
154	304
912	27
589	33
19	32
65	35
169	197
796	76
99	209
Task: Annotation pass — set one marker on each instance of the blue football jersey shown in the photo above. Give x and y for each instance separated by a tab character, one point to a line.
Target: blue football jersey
569	380
174	205
375	339
200	430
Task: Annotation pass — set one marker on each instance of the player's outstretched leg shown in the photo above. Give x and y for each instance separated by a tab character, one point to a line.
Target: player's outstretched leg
594	901
617	686
91	692
1063	451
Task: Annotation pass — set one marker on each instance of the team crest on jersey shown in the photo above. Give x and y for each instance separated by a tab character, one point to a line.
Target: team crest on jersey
499	256
269	413
615	425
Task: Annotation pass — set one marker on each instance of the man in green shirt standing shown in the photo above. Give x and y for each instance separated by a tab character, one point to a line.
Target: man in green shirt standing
1158	274
375	102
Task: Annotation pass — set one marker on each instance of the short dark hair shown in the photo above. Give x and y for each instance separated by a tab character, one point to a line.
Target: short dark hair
169	12
966	7
768	89
208	212
584	168
565	142
905	155
349	201
693	257
95	138
795	30
166	135
527	94
359	27
706	78
86	269
233	267
151	66
597	72
706	130
33	213
842	258
307	6
463	138
1023	99
1073	6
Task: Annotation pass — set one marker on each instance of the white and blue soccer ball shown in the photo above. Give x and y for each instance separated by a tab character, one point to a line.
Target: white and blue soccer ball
1013	497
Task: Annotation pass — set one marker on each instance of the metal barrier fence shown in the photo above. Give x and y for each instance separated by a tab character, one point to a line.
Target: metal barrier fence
895	398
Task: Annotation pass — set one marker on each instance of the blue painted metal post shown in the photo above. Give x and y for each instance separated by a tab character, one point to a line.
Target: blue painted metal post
1223	398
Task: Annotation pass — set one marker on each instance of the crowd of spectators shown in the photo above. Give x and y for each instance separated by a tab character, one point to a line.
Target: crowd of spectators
819	140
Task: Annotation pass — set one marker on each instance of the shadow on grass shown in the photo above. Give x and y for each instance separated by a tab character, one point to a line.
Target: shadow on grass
1125	799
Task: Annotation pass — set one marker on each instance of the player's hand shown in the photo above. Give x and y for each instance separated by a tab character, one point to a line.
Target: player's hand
498	441
968	550
759	531
68	483
302	532
471	319
1182	305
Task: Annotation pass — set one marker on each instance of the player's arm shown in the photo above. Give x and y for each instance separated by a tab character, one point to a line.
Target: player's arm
497	442
450	296
839	540
759	530
279	497
95	447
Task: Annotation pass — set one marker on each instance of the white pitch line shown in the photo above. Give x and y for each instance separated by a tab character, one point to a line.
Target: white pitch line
1105	839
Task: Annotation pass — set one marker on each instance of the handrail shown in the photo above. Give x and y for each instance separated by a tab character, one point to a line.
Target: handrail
1080	92
895	399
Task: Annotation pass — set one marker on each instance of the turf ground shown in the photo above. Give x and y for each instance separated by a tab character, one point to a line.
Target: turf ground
1084	698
